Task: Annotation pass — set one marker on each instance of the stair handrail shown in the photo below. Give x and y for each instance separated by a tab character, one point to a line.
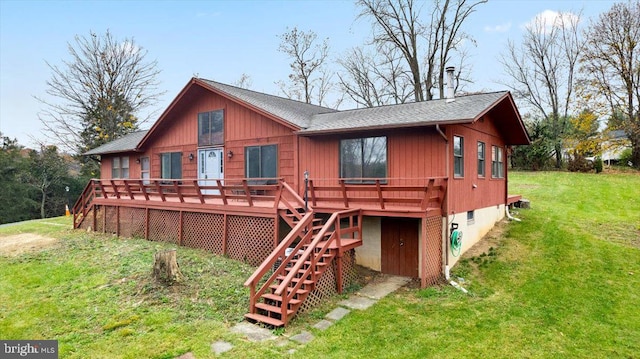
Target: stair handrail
84	202
311	250
299	201
258	274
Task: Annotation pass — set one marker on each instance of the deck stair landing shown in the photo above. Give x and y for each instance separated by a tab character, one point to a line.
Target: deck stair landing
285	279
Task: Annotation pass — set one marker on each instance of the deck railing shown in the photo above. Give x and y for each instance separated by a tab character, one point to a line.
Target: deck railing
335	194
381	193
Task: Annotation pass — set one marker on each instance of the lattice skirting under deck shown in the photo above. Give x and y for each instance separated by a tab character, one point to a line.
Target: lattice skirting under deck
249	239
327	285
434	250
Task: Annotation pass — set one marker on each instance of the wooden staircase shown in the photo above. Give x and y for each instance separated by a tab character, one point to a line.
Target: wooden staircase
285	279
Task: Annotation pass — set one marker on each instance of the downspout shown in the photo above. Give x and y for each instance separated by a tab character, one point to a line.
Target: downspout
446	216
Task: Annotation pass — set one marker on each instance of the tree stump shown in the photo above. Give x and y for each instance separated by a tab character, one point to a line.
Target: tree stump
165	267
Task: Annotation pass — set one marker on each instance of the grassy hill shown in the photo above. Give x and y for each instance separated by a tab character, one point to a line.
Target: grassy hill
564	282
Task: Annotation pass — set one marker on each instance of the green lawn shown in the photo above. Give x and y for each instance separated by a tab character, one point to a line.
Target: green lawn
564	282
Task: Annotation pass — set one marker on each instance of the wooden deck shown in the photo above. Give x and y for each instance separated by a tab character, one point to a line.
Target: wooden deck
267	196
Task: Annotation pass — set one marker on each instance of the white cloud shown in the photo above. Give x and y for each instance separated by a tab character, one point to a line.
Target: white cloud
548	19
498	28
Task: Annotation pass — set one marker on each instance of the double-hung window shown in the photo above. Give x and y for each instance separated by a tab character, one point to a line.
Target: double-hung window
120	167
211	128
363	159
261	161
458	156
497	162
481	159
171	165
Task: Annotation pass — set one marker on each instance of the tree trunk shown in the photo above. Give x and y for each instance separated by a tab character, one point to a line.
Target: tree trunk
165	267
42	203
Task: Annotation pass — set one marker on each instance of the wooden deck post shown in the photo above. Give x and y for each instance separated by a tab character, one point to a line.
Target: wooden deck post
180	227
117	221
146	223
225	233
423	252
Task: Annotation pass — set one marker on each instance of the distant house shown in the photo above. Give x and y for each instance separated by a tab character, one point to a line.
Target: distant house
617	141
305	192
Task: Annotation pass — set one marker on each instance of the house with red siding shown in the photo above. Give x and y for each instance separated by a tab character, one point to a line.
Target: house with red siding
305	192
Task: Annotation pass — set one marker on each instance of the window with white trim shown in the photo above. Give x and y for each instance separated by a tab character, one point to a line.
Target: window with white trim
497	162
458	156
120	167
481	159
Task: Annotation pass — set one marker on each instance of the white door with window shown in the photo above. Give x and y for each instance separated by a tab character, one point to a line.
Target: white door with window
210	168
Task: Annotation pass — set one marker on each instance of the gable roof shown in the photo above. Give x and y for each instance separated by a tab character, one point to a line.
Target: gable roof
295	112
125	143
310	120
462	109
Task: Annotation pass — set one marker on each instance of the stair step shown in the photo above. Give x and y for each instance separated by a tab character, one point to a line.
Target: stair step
296	280
272	308
301	271
318	264
264	319
278	298
300	292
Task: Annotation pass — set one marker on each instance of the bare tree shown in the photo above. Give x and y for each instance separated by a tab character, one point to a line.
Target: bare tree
447	37
244	81
542	71
398	23
371	80
611	68
307	81
97	95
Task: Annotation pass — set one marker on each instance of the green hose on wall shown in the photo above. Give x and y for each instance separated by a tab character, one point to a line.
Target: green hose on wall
456	242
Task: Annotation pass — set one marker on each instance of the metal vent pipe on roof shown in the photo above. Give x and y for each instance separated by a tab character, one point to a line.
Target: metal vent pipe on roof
450	95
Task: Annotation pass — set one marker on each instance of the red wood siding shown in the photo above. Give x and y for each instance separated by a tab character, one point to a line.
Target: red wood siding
411	154
242	127
489	191
106	163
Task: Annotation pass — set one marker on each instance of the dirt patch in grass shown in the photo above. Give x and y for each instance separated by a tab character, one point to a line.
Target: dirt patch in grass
25	242
493	239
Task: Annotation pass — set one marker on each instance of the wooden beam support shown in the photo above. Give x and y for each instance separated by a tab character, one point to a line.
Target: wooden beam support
380	194
198	191
423	252
344	193
143	189
222	194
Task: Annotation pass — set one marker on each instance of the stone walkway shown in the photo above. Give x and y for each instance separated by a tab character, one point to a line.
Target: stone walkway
361	300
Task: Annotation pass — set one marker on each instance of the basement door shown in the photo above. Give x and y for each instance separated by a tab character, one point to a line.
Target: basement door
210	168
399	246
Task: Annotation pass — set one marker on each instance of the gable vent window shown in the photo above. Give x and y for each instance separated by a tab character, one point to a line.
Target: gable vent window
211	128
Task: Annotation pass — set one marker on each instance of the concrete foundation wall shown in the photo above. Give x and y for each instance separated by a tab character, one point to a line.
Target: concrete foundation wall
368	255
473	231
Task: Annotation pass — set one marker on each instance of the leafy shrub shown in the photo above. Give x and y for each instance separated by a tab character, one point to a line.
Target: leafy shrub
625	157
597	164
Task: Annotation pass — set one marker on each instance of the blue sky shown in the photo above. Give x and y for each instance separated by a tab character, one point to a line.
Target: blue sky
217	40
